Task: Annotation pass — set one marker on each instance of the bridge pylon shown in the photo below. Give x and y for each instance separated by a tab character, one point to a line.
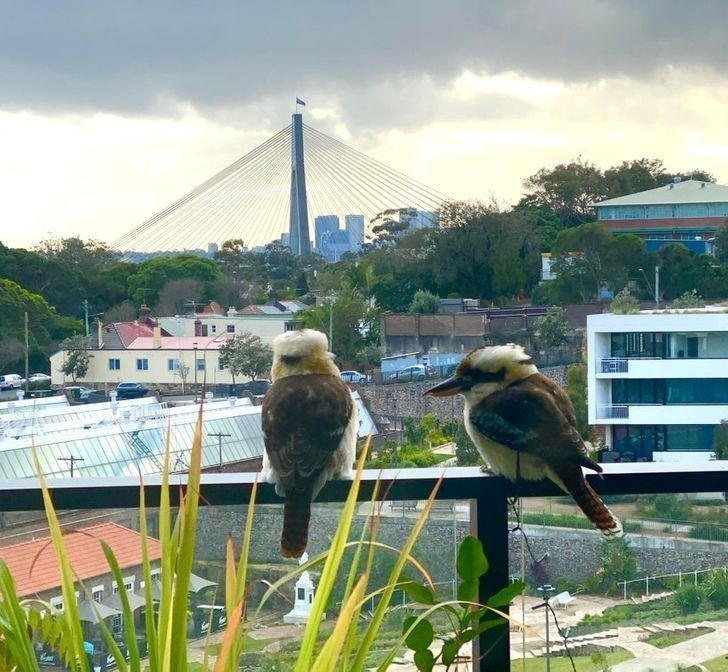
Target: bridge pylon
299	237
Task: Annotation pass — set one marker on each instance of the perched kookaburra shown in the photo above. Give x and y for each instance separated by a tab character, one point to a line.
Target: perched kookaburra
310	426
512	410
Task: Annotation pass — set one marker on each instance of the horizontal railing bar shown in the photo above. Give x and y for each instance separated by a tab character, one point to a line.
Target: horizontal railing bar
398	484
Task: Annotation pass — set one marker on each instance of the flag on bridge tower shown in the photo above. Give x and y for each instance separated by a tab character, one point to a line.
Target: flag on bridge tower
300	102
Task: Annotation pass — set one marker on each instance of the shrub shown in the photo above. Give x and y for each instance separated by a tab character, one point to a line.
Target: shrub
688	598
718	591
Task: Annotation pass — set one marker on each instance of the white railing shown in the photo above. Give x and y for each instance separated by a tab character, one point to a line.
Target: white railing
683	578
614	365
611	411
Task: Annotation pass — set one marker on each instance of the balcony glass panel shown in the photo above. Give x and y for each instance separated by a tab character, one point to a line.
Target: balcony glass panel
682	391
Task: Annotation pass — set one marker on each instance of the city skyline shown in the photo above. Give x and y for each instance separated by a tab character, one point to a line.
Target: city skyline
110	114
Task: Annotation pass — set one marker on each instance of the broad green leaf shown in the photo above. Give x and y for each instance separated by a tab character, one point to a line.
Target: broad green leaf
468	591
418	593
424	660
449	650
505	595
421	636
472	563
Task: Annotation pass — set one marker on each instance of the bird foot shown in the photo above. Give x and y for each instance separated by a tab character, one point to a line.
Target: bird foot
487	470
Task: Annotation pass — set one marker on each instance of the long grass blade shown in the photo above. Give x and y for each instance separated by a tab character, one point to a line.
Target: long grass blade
333	648
328	576
16	645
370	633
67	581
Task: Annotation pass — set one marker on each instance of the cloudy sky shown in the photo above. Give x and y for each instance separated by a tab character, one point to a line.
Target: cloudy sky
109	111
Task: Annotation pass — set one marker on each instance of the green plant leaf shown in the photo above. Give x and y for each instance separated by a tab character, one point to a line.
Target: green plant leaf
418	593
449	650
421	636
424	660
505	595
468	591
471	563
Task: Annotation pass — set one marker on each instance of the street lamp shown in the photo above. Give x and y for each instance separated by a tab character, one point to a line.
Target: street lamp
194	348
656	291
545	591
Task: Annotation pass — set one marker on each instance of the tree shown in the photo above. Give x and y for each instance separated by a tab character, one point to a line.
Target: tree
245	354
153	274
178	296
484	254
617	563
78	356
567	191
576	389
424	302
720	441
721	244
624	303
551	329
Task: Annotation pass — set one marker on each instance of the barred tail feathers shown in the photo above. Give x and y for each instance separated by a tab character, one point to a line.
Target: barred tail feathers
591	504
296	518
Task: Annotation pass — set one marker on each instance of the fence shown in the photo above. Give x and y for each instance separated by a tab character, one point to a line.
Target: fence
488	498
683	578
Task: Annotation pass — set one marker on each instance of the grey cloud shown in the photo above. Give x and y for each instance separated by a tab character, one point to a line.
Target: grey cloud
124	56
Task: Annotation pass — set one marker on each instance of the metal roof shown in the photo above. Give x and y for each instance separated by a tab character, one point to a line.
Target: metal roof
688	191
128	438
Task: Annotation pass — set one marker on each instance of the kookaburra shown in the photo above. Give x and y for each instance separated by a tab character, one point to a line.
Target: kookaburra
310	426
524	425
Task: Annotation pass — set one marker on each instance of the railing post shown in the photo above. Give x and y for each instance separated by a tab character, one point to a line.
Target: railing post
489	523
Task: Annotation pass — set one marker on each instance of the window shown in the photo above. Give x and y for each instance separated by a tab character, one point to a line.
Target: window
230	328
200	364
114	364
97	593
203	330
220	364
214	328
57	603
142	364
173	365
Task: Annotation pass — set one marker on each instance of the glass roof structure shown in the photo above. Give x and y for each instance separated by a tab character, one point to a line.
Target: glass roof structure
128	438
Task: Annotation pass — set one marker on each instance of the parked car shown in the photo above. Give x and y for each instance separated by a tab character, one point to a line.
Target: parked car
414	372
354	377
130	390
39	378
11	381
256	387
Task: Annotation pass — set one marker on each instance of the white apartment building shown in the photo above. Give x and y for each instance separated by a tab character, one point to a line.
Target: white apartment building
658	383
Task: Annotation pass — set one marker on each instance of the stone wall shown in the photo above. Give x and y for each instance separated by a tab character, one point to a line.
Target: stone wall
573	554
405	399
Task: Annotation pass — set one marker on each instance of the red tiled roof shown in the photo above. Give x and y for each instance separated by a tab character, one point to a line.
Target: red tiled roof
84	552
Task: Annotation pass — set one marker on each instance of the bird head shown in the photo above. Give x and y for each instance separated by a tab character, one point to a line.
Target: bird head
486	370
302	351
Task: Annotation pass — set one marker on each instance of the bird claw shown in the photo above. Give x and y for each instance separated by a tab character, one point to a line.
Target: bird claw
487	470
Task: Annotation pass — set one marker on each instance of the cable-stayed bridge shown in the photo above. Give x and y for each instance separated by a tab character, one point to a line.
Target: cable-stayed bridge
276	190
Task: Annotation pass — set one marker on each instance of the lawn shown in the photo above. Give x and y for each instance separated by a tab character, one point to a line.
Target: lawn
664	639
719	664
582	663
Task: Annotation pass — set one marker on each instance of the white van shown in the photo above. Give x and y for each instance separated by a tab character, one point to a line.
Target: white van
11	381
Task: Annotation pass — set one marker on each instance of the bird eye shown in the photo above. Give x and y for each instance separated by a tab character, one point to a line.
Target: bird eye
290	359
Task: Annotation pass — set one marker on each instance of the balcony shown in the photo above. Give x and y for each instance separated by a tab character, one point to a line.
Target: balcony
487	497
612	412
614	365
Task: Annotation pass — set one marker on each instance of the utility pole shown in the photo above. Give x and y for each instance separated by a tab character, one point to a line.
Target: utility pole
219	436
27	370
72	461
194	349
657	286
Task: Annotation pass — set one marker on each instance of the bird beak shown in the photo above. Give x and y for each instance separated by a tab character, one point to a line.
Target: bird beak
447	388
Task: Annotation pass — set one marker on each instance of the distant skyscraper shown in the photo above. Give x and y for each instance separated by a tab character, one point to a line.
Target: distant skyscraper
355	228
324	227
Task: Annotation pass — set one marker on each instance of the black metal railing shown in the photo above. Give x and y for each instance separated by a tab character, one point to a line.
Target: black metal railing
488	496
